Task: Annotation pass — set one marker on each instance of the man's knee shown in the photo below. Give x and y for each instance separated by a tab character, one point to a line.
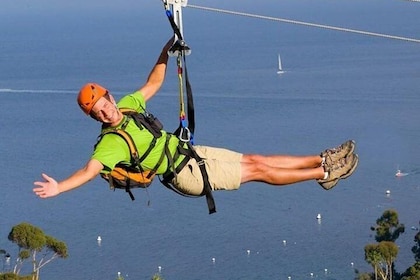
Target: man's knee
254	170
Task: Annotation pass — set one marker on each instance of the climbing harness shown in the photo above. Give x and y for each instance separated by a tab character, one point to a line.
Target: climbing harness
185	131
132	175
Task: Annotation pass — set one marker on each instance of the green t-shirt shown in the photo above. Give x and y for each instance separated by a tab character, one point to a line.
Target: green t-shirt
113	149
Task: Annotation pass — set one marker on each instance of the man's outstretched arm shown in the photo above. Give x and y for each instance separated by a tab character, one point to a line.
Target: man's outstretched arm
50	187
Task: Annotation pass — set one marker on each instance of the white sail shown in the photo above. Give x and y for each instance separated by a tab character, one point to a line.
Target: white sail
280	70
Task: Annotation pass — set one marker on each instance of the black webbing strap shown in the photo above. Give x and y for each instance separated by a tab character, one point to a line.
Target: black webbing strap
153	171
190	101
173	24
141	125
191	153
127	188
206	188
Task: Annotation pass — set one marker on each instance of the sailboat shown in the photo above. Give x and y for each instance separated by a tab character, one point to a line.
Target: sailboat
280	70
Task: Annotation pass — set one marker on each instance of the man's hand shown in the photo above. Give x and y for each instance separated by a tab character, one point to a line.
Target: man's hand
48	188
51	187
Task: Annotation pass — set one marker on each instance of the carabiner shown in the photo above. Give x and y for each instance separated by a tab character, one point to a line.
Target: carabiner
184	134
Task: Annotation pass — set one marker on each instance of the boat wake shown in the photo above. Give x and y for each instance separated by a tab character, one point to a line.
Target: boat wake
9	90
400	173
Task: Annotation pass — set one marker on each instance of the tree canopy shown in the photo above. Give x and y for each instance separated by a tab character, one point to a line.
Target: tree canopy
388	227
34	244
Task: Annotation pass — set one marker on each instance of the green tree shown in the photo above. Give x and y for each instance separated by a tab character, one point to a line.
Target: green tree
13	276
412	273
34	244
388	227
9	276
416	248
119	277
364	276
157	276
389	252
373	257
381	256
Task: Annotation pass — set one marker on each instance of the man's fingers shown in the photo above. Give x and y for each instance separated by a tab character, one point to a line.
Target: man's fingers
46	177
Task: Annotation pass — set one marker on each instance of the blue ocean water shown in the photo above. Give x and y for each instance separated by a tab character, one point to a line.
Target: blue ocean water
336	86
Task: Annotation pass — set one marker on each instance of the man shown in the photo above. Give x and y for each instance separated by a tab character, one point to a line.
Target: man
226	169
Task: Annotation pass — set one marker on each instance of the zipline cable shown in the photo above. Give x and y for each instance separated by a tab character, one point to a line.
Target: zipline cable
306	23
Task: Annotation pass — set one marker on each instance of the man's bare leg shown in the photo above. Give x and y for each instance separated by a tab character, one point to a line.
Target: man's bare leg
257	170
284	161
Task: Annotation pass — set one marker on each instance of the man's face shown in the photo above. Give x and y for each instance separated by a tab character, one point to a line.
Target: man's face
106	111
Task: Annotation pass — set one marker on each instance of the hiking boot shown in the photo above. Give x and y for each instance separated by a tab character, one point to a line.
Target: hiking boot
342	169
333	155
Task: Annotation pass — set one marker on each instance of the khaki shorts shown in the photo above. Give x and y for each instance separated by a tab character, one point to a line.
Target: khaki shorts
223	167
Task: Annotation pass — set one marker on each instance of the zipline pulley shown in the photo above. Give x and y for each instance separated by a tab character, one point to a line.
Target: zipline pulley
174	12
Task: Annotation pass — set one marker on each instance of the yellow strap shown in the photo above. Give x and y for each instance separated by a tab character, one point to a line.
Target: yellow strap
127	137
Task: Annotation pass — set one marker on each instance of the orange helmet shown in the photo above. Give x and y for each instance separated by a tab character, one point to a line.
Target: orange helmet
89	94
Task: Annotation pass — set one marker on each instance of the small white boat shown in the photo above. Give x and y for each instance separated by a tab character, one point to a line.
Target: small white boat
400	174
280	70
